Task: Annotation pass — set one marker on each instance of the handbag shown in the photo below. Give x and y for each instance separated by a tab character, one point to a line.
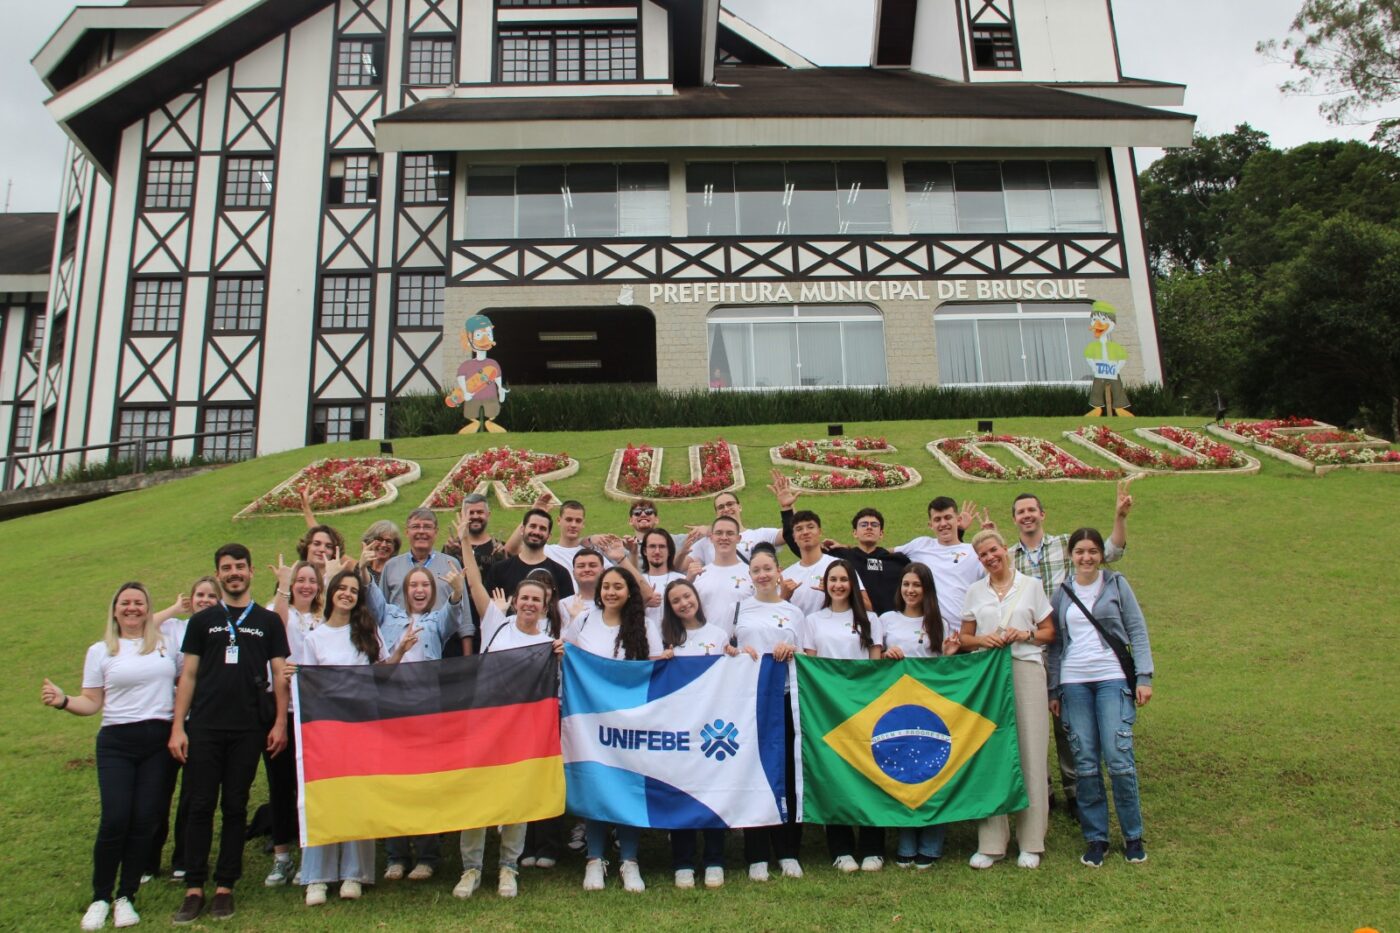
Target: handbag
1119	648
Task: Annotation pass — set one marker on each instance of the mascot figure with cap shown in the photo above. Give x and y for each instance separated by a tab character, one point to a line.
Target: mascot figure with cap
480	389
1106	360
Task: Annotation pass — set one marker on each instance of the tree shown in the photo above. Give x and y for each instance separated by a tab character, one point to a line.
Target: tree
1350	50
1204	322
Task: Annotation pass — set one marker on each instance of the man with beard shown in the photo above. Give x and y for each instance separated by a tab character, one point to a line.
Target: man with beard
232	717
535	529
486	549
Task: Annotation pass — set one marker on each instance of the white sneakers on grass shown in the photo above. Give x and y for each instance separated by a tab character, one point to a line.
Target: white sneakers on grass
714	877
315	894
350	890
845	864
506	885
123	914
471	880
872	863
981	861
631	876
1028	860
791	867
595	874
758	871
96	916
685	878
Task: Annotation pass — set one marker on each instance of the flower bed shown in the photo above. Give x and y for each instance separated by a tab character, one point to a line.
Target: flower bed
1312	445
1190	451
518	477
337	486
840	467
1043	460
636	473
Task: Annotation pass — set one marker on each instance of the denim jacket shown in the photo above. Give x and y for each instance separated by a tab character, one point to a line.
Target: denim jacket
442	623
1117	610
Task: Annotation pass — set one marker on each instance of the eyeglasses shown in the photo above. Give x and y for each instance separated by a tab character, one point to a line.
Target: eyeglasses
867	524
637	513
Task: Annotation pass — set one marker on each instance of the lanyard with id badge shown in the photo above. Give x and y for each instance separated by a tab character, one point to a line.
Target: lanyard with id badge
231	652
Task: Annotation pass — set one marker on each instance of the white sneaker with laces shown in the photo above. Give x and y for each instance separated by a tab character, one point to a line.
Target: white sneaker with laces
1028	860
594	874
758	871
394	872
980	861
845	864
714	877
421	872
872	863
685	878
123	914
791	867
471	880
96	916
631	876
315	895
281	872
350	890
506	886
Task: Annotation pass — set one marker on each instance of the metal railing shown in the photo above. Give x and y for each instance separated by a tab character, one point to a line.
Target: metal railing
140	448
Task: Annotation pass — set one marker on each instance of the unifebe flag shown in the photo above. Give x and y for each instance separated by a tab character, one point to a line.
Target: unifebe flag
907	743
410	749
689	743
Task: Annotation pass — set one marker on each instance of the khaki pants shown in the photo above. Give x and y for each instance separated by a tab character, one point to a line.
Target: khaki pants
1033	735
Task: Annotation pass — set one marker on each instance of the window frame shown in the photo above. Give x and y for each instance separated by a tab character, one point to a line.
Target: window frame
22	419
619	191
126	449
561	31
214	293
432	178
226	195
320	412
1007	31
427	320
841	170
357	277
159	280
751	315
336	185
452	62
1058	226
379	58
147	182
1076	310
222	449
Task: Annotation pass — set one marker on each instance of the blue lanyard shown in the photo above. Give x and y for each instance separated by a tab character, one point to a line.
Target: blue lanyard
234	623
1034	557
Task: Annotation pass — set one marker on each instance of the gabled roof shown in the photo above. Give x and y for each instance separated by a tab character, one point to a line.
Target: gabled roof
26	243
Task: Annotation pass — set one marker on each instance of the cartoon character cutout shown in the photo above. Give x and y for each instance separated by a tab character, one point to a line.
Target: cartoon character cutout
480	387
1106	360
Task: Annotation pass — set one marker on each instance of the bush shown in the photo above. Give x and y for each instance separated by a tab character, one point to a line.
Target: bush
113	468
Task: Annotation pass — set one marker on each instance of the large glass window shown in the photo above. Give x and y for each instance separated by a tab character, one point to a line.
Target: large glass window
345	302
359	63
155	305
22	428
354	179
338	422
427	178
229	446
430	60
148	426
418	302
796	345
1016	196
993	47
545	55
567	201
169	184
238	304
248	182
778	198
1010	343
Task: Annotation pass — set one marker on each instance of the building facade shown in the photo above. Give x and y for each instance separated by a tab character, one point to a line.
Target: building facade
284	212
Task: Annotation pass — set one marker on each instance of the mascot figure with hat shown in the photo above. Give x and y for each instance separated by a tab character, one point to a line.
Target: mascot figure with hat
1106	360
480	389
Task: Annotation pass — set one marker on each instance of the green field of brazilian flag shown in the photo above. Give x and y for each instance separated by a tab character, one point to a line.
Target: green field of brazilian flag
909	743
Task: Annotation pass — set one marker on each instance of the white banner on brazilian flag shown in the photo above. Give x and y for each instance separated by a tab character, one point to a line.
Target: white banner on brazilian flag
690	743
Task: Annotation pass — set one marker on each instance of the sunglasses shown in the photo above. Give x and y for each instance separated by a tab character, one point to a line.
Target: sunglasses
637	513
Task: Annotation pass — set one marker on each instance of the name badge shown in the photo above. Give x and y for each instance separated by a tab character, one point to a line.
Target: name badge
231	654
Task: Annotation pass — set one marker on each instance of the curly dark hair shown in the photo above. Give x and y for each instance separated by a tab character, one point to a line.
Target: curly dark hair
632	633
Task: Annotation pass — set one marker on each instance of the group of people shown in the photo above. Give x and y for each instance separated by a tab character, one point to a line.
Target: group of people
203	685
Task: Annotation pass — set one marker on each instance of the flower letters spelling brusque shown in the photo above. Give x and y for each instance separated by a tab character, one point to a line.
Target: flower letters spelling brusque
518	476
339	484
1191	451
636	472
840	465
1312	441
1042	459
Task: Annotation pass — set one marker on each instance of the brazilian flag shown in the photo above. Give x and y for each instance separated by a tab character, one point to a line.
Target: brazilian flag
907	743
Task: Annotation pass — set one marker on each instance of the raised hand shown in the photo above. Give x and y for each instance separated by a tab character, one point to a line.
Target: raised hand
406	643
783	490
694	533
453	578
50	694
611	546
693	569
985	519
1125	499
369	553
543	501
283	574
967	515
498	596
182	604
788	587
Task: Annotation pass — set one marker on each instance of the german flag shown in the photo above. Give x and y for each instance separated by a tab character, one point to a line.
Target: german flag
408	749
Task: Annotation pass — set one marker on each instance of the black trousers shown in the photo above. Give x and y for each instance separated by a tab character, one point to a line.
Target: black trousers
282	789
132	763
841	840
545	838
177	853
783	840
683	848
219	770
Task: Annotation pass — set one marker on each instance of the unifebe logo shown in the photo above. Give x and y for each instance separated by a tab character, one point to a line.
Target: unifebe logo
719	739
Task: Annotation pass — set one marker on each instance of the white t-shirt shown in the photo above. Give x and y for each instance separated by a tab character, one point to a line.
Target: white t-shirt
1025	605
328	644
658	583
833	635
704	549
136	686
589	632
173	631
564	557
707	639
721	589
763	625
908	635
809	594
573	606
506	634
1088	659
299	625
955	567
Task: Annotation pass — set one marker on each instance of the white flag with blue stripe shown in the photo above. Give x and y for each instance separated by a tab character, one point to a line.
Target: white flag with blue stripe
690	743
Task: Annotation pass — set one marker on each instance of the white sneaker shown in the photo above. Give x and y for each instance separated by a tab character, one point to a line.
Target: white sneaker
631	877
714	877
123	914
791	867
507	886
394	872
872	863
147	877
594	874
544	861
758	871
845	864
96	916
315	895
980	861
527	862
685	878
350	890
281	872
1028	860
421	872
471	880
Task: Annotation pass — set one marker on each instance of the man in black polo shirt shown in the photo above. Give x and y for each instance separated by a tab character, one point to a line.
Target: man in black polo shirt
229	649
535	529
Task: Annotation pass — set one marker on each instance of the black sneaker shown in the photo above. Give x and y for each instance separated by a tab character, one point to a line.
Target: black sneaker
189	911
1093	856
904	861
924	862
222	907
1134	852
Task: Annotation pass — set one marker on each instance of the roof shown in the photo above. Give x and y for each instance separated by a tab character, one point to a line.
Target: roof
26	243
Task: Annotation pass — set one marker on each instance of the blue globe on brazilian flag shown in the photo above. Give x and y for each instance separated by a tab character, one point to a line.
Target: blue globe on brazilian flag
907	743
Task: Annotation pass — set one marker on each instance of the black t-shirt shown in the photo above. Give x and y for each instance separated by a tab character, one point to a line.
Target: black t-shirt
227	696
508	573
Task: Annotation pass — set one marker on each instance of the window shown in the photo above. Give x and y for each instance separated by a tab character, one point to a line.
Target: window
230	446
778	198
527	3
70	232
169	184
156	305
427	179
22	429
566	201
332	423
419	300
238	304
359	63
248	182
1011	343
354	179
430	61
345	302
145	425
34	331
801	345
993	47
57	336
1020	196
48	425
535	56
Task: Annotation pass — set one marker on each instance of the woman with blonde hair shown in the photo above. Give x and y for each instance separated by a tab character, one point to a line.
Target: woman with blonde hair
128	677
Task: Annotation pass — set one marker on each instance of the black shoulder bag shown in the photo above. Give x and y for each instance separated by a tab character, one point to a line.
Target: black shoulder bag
1116	645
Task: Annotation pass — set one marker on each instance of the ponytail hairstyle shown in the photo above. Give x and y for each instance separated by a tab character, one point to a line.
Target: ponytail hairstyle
673	630
545	580
928	605
632	633
364	633
151	639
859	617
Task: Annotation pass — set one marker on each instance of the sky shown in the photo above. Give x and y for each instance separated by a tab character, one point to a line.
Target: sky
1227	82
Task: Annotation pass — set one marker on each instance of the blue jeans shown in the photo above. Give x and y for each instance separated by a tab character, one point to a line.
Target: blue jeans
922	840
1099	719
596	833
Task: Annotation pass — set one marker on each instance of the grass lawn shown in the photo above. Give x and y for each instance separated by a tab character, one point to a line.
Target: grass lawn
1267	758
